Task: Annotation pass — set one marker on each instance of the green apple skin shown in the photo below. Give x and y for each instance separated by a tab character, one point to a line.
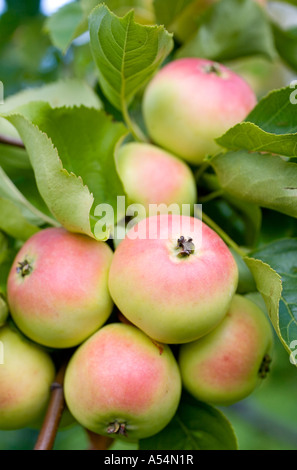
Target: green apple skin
223	367
152	176
26	377
174	299
119	376
190	102
64	298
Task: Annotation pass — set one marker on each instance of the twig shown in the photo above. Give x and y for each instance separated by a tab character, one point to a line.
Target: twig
123	319
98	442
11	141
211	196
203	167
48	432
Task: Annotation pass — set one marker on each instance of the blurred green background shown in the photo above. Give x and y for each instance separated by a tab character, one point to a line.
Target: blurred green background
27	56
266	420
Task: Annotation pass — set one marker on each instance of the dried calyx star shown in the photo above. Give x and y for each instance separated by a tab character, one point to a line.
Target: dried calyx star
187	246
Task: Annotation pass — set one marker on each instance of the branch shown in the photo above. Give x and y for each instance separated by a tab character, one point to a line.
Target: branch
98	442
123	319
11	141
50	426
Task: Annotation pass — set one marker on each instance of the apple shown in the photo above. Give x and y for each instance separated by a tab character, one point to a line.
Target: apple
152	176
119	383
226	366
190	102
26	375
58	287
173	277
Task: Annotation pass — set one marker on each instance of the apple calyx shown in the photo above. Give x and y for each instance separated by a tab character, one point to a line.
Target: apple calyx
265	366
117	428
213	68
185	246
24	268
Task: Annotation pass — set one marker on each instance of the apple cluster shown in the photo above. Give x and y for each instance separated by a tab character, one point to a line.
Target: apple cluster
186	323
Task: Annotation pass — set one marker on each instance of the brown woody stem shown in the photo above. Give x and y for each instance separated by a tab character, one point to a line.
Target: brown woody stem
98	442
50	426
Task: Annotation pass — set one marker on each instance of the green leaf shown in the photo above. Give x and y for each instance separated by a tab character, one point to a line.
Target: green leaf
68	92
180	17
276	226
72	154
16	164
66	24
3	247
167	11
126	54
71	20
240	219
246	282
144	12
251	215
13	222
233	220
274	268
196	426
8	191
14	160
270	127
252	177
8	250
286	44
230	29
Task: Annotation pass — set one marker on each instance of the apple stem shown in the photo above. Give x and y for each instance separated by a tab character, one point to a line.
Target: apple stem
159	346
132	126
201	170
211	196
202	216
